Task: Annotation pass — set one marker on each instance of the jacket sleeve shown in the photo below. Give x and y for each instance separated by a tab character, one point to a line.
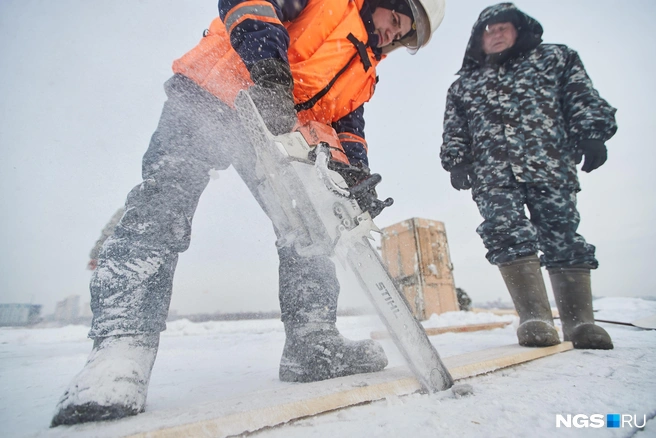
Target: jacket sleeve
350	130
456	139
255	27
588	116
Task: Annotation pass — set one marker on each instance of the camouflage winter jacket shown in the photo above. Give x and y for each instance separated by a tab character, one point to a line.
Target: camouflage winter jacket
520	117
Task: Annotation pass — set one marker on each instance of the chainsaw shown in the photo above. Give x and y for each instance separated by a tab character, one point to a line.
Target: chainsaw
317	213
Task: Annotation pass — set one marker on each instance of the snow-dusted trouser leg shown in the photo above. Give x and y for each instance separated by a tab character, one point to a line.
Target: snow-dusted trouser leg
131	287
309	288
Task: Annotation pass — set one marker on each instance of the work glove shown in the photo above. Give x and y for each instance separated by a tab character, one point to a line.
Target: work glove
460	178
362	185
272	94
595	154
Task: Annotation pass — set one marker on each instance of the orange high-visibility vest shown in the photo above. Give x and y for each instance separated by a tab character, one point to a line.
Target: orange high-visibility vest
323	53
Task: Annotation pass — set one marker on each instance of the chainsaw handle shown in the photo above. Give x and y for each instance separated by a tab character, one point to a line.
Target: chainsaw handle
321	165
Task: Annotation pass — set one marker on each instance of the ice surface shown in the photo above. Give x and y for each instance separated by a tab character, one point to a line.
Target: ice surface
203	362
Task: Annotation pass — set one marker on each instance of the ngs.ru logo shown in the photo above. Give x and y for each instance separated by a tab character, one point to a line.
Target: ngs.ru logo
597	420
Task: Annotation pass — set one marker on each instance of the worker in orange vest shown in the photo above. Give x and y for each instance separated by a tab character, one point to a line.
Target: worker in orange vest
300	61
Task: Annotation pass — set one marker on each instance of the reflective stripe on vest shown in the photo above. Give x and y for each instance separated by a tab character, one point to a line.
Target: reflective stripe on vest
261	11
352	138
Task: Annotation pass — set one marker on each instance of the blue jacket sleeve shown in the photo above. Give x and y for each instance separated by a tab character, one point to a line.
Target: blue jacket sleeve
261	34
350	130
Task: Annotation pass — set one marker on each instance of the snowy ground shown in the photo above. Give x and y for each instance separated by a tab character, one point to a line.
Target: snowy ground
204	362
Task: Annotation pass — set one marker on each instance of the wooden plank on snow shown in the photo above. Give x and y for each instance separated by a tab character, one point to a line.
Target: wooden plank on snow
255	411
432	331
485	361
503	312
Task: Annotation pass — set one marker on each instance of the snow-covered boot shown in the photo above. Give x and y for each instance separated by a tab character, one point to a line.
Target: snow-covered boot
113	383
573	293
314	348
523	278
317	351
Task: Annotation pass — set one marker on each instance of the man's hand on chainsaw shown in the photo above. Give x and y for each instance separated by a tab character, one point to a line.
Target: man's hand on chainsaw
272	95
362	185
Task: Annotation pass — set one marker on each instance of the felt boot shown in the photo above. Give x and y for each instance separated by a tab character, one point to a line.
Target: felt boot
314	348
317	351
114	382
573	293
523	278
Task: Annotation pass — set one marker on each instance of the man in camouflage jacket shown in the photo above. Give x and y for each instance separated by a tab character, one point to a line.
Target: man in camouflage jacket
518	120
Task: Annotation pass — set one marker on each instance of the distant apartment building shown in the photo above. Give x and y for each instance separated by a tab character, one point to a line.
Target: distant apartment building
68	309
13	315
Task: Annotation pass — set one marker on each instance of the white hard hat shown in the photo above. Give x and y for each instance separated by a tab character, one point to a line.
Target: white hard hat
428	15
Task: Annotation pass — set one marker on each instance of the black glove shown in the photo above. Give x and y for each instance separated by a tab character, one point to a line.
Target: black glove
460	178
362	185
272	94
595	154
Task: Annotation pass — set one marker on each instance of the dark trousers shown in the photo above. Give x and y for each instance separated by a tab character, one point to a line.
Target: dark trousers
509	234
131	287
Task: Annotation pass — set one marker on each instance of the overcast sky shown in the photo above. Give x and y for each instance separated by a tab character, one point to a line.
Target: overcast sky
81	93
